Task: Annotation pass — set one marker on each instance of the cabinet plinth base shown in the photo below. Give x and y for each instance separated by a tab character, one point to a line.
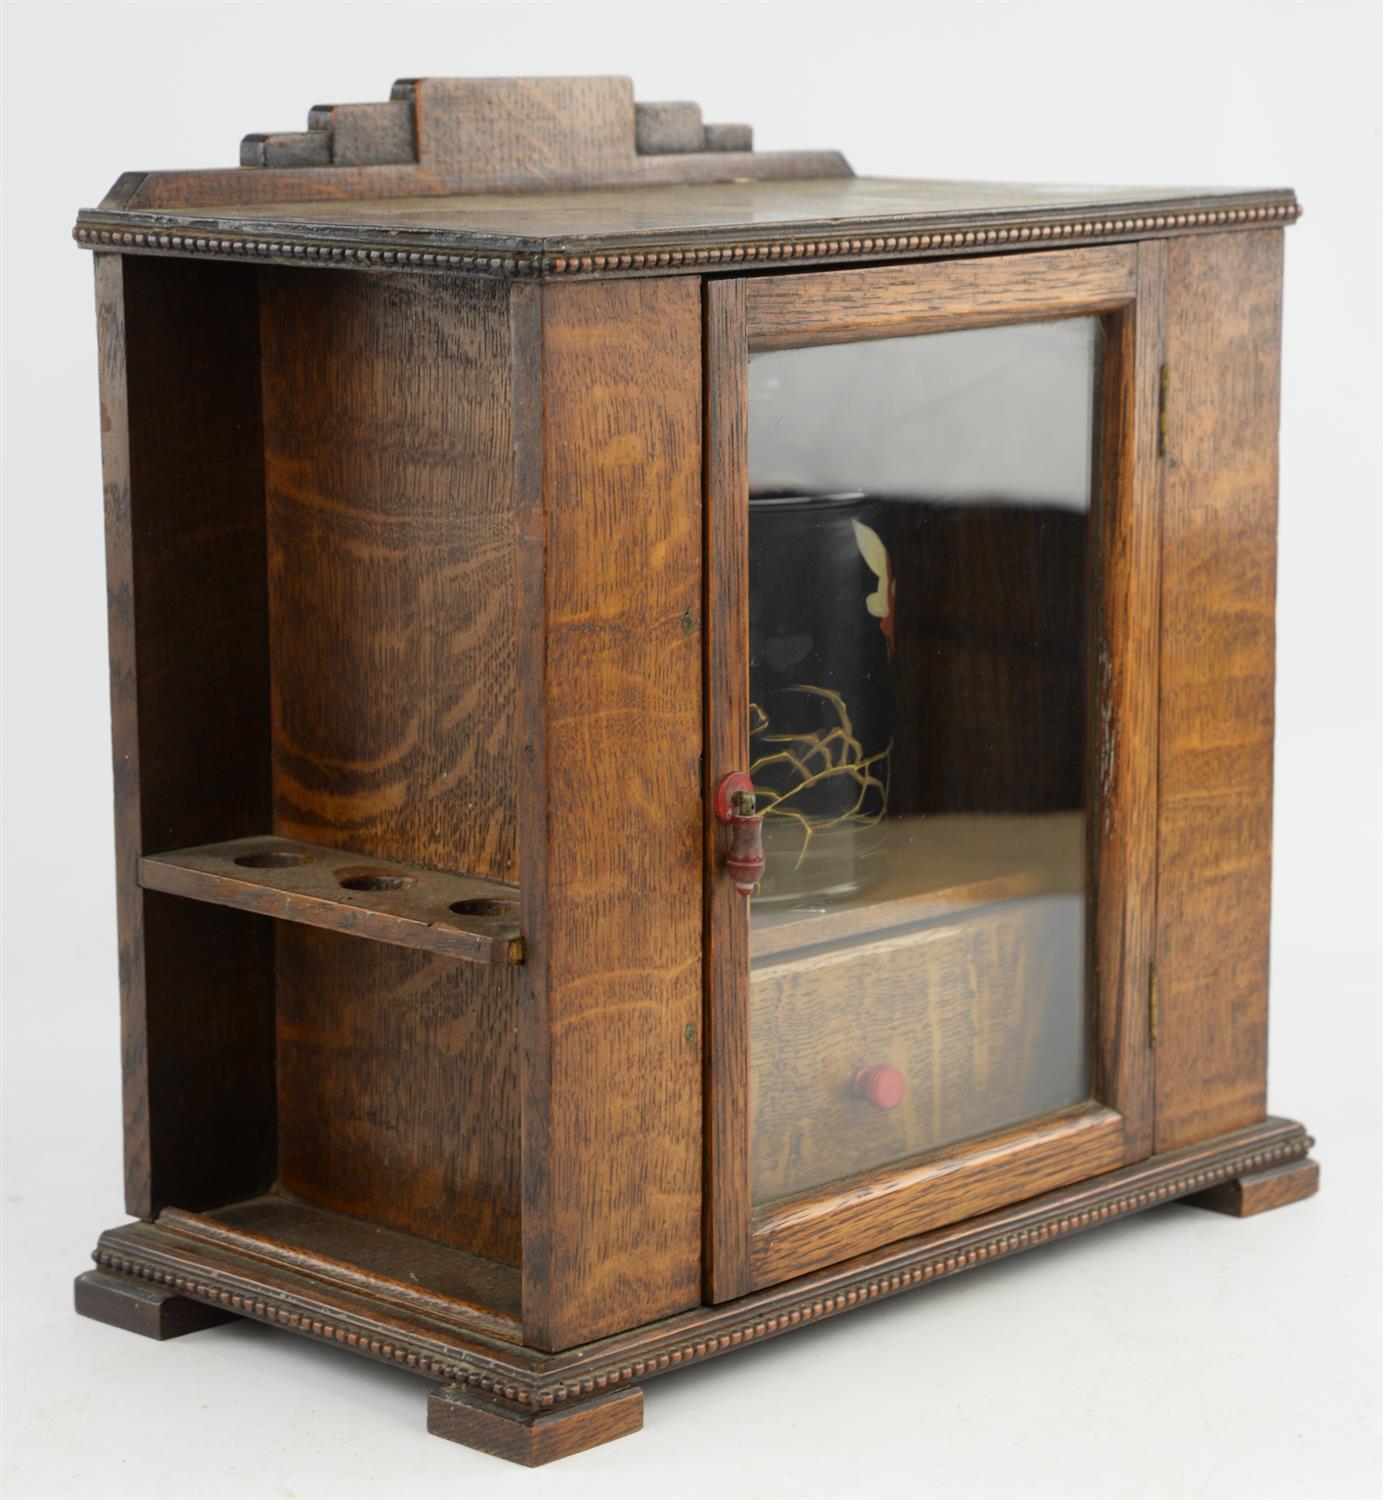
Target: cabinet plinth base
1257	1192
139	1307
532	1438
534	1406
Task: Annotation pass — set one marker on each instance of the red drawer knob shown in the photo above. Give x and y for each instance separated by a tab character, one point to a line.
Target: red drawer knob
881	1086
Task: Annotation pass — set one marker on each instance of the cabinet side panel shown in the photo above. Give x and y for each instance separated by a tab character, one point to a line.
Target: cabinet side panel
612	1027
390	495
389	475
398	1089
1216	732
181	451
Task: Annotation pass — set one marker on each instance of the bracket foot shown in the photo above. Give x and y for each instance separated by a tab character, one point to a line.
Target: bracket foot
1257	1192
531	1438
140	1307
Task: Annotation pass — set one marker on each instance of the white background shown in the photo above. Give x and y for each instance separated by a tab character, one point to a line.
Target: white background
1177	1354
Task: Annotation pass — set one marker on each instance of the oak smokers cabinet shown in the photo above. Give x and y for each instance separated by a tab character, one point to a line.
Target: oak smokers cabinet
693	733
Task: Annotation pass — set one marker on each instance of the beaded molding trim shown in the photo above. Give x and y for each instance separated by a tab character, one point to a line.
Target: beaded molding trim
543	263
691	1348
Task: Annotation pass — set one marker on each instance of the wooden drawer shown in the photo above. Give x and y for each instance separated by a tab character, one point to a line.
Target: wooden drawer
984	1016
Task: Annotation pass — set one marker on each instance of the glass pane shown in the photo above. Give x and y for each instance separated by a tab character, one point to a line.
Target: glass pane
919	540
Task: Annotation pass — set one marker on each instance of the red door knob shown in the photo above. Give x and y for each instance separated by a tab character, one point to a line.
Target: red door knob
881	1086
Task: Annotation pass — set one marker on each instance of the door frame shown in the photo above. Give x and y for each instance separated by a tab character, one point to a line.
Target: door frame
1124	285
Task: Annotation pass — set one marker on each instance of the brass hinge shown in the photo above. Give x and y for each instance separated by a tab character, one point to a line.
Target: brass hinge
1153	1017
1162	379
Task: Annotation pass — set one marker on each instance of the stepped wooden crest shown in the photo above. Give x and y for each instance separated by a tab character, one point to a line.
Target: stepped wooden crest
482	135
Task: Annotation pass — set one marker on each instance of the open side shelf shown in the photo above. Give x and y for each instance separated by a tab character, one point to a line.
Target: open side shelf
427	1279
457	916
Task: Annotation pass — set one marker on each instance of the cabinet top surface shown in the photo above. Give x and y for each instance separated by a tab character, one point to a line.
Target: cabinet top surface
613	215
554	177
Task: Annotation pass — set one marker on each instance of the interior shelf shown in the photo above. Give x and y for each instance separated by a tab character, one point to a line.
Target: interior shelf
433	1280
458	916
933	867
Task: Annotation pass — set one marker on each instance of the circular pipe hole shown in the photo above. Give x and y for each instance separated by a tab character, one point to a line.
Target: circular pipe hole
273	859
486	907
375	880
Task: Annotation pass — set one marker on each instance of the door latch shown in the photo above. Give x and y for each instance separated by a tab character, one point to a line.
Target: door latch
734	804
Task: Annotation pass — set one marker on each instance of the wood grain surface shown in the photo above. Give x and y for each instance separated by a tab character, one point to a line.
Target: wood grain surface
831	307
319	1307
140	1308
670	127
404	1269
532	1438
1219	540
398	1089
725	221
483	135
180	434
726	932
340	135
387	900
825	1225
391	566
1257	1192
611	1020
391	604
1122	682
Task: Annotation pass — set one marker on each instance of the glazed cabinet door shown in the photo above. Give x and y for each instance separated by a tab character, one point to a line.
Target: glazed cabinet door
932	584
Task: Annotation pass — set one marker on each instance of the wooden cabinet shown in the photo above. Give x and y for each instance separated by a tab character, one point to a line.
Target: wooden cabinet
692	733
